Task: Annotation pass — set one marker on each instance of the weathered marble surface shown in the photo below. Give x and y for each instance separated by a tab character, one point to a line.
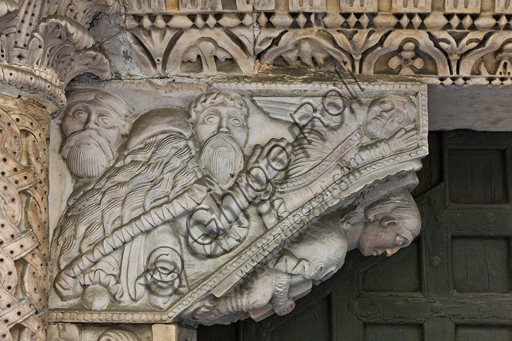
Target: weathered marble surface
481	108
205	203
443	42
41	50
142	144
134	332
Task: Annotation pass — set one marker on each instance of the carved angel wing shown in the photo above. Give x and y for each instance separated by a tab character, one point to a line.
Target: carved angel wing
323	123
325	111
151	173
280	107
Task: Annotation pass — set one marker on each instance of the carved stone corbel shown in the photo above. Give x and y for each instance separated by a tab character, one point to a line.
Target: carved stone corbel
211	202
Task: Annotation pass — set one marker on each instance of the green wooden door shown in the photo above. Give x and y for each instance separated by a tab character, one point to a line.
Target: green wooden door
452	283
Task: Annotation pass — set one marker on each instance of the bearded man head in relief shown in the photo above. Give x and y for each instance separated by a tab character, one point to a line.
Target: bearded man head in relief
93	125
220	124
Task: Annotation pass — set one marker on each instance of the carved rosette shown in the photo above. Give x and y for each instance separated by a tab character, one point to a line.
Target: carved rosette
443	41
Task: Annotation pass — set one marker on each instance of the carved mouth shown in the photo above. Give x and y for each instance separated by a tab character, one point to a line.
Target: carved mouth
222	157
87	154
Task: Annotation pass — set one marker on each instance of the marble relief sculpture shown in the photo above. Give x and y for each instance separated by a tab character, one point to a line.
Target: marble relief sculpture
201	162
162	205
94	125
385	226
161	162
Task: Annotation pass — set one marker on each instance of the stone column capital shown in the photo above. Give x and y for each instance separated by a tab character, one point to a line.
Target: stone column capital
45	44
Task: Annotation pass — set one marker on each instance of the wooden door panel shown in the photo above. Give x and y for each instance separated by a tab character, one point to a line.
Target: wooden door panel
387	332
477	176
311	324
387	276
481	264
480	333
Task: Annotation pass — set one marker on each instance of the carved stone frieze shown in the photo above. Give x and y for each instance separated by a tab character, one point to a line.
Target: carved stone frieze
442	41
179	199
165	51
208	203
75	332
141	332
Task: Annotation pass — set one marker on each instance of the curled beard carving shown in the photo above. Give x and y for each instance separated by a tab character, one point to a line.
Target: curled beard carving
87	153
223	158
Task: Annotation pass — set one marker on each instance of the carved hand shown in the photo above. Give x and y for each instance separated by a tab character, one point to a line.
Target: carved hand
402	140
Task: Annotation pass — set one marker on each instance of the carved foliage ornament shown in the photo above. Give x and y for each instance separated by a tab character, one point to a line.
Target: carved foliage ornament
182	215
42	46
461	45
209	50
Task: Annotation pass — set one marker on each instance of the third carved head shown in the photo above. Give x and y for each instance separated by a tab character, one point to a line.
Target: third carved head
387	114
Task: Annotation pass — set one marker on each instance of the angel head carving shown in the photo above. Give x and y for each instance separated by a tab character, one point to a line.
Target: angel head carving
387	114
93	125
394	222
220	124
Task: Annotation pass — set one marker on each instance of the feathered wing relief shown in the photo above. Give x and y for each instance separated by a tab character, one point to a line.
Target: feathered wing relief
194	218
144	177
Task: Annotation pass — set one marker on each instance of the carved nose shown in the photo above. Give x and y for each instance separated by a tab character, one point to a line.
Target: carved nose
224	129
91	124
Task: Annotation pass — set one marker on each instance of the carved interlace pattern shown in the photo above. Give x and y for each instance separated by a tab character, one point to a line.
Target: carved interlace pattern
23	221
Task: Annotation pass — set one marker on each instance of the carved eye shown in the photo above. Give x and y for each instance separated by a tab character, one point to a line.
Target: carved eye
387	222
211	119
400	240
386	105
80	115
105	121
237	122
